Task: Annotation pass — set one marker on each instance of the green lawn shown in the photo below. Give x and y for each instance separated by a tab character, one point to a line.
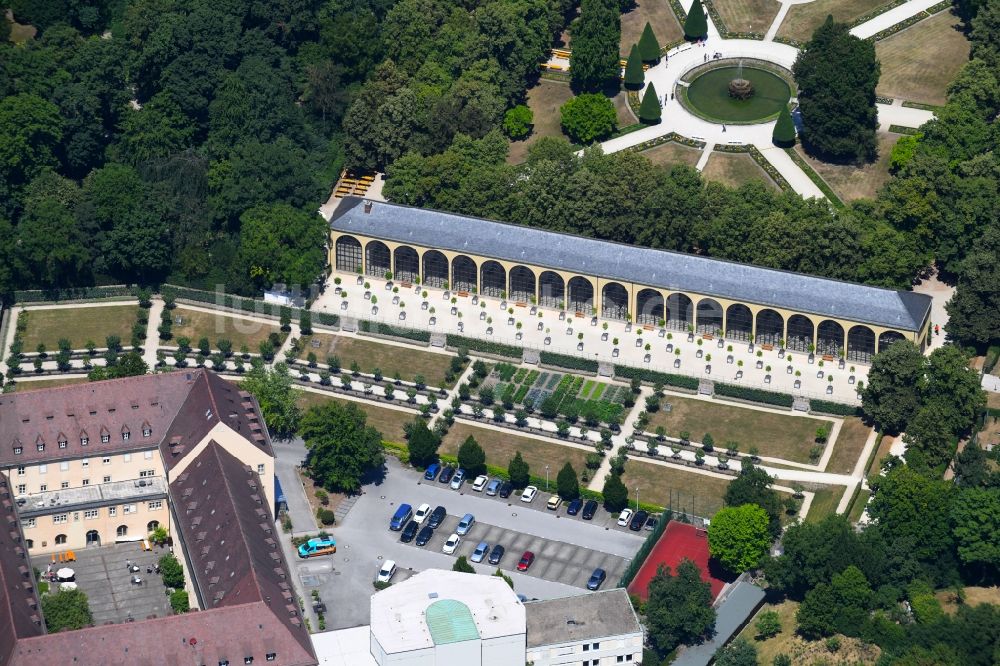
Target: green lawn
78	325
802	20
775	435
853	435
747	15
389	422
735	169
674	487
860	502
671	153
824	503
197	324
920	62
500	447
408	361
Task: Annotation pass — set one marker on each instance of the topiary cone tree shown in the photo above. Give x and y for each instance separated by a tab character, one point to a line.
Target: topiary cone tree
784	130
634	76
649	46
696	24
649	110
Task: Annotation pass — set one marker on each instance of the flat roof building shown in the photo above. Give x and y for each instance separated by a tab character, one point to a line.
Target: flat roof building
615	281
599	628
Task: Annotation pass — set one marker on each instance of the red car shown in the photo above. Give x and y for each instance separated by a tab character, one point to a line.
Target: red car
526	561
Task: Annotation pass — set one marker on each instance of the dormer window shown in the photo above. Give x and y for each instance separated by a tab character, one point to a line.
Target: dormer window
84	440
62	442
105	438
125	435
147	431
271	656
17	450
40	446
247	660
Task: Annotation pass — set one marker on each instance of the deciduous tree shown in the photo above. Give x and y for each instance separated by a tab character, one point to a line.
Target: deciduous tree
679	608
738	537
273	391
588	117
341	446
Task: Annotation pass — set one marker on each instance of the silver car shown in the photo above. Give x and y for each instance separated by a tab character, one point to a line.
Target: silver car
480	552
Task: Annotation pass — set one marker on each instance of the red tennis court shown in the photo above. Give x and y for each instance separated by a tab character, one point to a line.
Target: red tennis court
678	542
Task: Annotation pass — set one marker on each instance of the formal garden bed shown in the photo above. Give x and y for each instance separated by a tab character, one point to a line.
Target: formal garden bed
196	324
79	324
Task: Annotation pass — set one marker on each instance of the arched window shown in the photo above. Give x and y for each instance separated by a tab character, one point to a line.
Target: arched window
770	327
60	539
887	338
93	538
800	333
739	322
522	284
829	338
493	279
435	269
552	290
348	254
152	525
614	301
581	295
407	264
122	530
463	273
709	315
860	344
649	308
377	258
680	312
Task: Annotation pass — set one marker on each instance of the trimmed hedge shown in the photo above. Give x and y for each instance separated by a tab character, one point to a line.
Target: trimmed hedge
83	293
754	395
366	326
254	305
652	376
568	362
835	408
484	346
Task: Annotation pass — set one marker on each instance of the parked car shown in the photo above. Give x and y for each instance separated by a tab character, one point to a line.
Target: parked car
423	511
450	544
554	503
529	494
386	573
526	560
596	579
409	532
574	507
652	522
480	552
446	474
497	554
479	485
638	520
318	546
624	517
493	487
424	535
402	516
437	517
506	488
590	509
432	471
458	479
465	524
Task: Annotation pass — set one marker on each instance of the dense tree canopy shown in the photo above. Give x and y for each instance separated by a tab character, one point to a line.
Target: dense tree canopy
836	75
679	608
273	391
739	536
342	447
594	62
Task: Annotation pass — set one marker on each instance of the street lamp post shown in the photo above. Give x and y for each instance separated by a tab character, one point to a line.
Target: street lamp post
637	498
546	478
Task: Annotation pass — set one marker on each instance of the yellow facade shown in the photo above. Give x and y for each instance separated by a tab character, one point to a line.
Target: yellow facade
632	289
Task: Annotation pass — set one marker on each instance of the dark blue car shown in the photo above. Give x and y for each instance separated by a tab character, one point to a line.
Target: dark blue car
432	471
574	507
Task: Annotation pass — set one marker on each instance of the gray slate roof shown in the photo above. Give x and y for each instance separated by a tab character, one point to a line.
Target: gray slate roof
581	618
731	615
674	271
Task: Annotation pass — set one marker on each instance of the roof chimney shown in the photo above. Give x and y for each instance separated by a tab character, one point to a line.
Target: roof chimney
368	206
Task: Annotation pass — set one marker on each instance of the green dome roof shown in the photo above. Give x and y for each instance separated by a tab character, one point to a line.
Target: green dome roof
450	621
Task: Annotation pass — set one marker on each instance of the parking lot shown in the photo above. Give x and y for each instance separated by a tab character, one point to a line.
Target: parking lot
567	549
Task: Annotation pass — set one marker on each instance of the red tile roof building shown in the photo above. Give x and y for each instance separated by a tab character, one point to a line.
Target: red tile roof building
219	507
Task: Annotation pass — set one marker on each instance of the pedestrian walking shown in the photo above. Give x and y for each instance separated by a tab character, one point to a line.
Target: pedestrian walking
723	129
706	58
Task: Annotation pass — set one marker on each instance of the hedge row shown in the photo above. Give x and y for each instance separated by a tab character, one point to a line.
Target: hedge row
366	326
83	293
245	304
754	395
484	346
568	362
835	408
652	376
644	551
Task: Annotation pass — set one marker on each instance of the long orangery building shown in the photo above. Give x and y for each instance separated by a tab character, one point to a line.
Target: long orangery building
616	281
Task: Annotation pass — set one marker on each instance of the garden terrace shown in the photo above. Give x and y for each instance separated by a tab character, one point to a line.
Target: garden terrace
788	437
196	324
408	361
501	446
553	393
78	325
615	281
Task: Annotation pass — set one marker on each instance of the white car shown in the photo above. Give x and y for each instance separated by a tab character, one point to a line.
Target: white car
624	517
480	483
451	544
529	494
423	511
387	571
